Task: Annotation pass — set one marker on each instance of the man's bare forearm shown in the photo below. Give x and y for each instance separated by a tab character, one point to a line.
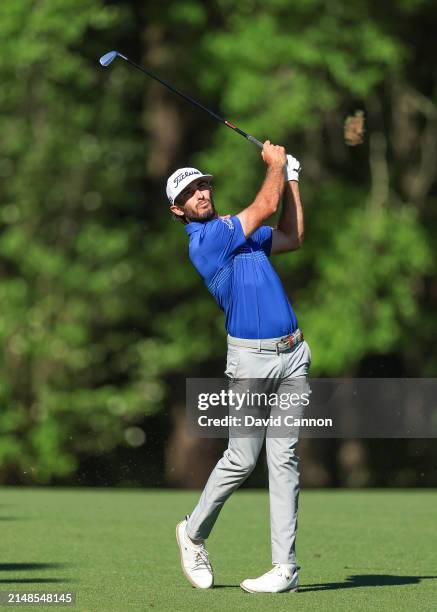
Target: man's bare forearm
272	188
291	221
268	198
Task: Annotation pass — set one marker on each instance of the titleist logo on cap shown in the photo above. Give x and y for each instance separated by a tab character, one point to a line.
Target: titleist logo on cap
180	177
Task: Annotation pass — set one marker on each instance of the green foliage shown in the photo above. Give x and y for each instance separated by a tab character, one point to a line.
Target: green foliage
100	304
69	379
364	281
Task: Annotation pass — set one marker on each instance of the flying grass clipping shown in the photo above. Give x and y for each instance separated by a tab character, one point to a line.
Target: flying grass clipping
354	129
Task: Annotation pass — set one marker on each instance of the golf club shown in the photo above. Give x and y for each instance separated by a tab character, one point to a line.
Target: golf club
109	57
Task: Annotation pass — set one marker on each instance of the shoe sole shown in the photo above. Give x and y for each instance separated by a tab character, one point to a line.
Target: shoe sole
182	563
292	590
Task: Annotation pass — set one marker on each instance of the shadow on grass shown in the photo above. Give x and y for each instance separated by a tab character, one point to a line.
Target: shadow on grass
16	567
34	580
365	580
20	567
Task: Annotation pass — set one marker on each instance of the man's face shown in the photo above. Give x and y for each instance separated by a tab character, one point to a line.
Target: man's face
196	202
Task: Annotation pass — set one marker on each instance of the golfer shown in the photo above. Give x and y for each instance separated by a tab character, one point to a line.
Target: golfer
264	342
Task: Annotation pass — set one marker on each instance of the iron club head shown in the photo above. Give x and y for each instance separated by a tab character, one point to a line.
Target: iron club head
108	58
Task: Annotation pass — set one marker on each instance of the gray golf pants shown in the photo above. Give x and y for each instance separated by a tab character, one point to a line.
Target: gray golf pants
240	458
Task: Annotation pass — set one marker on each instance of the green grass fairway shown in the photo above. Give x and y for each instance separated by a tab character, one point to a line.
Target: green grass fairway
366	550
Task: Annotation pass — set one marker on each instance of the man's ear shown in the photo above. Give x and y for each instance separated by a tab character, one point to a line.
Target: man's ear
176	210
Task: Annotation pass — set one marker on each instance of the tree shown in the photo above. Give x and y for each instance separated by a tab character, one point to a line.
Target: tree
69	379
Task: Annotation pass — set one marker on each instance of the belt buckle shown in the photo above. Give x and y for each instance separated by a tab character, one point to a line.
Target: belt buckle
283	343
289	341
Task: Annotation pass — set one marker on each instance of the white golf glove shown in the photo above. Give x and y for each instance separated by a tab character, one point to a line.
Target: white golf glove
292	169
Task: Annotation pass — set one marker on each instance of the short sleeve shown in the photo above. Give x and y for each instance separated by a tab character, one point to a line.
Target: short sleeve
222	238
263	237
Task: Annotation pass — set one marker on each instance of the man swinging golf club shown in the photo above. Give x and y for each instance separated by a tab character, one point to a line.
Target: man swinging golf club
264	342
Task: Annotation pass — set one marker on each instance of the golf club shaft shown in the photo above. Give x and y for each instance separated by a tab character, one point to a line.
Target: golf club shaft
189	99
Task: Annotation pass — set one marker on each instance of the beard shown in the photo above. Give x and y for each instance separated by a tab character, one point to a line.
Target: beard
202	214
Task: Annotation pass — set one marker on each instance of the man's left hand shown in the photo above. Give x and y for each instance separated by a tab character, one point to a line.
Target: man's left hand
292	169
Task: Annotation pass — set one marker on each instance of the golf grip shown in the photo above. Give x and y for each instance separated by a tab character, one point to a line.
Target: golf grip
248	136
255	141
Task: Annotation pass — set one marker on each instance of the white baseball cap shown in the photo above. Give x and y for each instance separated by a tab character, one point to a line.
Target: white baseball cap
180	179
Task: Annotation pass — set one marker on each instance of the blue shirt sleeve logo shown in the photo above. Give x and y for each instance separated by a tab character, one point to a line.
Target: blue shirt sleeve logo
228	222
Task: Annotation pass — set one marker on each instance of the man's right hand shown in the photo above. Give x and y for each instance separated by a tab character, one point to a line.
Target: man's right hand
273	155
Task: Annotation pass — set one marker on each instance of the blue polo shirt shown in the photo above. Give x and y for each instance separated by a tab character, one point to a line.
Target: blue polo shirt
242	280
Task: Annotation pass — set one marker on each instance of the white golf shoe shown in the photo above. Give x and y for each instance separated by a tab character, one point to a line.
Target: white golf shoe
280	579
194	559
